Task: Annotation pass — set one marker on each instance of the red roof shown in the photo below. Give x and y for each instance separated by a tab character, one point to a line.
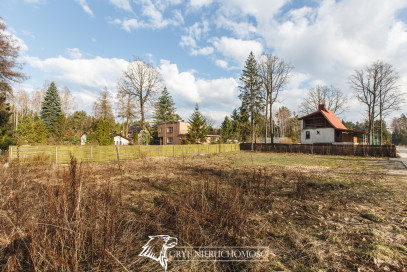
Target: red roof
329	116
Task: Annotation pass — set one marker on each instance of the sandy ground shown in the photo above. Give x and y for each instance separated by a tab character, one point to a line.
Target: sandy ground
402	151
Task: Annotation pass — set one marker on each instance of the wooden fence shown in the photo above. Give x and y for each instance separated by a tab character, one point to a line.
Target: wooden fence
62	154
326	149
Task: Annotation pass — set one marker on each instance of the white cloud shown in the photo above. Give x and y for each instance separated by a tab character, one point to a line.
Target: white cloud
326	41
122	4
181	84
237	50
202	51
35	1
240	29
130	24
94	73
73	53
194	33
85	7
187	41
212	95
200	3
152	16
222	64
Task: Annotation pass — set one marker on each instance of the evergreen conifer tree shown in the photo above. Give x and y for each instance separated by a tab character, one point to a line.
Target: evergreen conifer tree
251	92
51	106
226	130
164	111
104	132
198	129
40	132
25	130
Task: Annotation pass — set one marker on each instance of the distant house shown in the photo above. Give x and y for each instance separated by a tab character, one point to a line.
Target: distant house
324	127
120	140
83	138
212	139
177	131
172	133
133	129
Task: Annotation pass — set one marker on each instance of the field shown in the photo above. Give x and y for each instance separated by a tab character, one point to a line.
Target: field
316	213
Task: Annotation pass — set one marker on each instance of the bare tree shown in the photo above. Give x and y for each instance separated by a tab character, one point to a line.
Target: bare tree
332	97
37	97
283	116
126	109
390	96
274	73
142	81
102	107
67	101
9	66
376	87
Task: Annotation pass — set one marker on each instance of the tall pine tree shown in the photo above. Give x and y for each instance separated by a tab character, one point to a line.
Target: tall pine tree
226	130
104	132
51	106
198	129
251	92
164	111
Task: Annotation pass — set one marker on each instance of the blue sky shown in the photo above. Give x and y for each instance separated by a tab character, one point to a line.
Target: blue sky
200	46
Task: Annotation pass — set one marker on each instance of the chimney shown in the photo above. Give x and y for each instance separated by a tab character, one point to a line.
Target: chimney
321	107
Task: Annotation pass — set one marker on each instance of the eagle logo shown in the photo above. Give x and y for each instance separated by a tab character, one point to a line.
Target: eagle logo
157	247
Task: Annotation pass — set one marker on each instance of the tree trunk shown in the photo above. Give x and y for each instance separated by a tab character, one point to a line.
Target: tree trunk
165	134
271	123
266	123
142	115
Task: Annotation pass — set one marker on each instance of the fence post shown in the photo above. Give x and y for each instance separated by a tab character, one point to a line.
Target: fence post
173	150
198	149
91	155
139	151
11	154
208	148
56	154
158	149
187	148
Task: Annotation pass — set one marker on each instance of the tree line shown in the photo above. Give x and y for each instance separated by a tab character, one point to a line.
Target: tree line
48	116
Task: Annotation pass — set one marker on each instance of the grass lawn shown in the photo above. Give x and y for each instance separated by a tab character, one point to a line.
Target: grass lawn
316	213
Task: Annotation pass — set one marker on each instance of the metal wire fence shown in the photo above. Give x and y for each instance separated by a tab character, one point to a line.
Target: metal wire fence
62	154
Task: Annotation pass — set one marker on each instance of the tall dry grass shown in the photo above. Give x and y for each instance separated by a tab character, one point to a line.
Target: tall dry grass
97	217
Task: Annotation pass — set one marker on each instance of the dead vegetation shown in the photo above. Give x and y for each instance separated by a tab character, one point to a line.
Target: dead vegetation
343	216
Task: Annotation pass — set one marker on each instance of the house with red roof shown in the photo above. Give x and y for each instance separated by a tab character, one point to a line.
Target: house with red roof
324	127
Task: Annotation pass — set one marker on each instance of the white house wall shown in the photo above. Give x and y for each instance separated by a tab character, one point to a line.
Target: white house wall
325	135
120	141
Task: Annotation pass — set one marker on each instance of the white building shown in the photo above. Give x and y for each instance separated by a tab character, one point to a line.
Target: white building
120	140
83	139
324	127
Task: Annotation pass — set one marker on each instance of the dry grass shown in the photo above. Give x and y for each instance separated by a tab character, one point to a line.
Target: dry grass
315	213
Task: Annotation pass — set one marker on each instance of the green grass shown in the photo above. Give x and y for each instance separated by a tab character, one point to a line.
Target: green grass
248	158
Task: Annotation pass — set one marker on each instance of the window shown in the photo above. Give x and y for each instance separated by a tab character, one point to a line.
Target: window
170	129
307	135
318	132
169	140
